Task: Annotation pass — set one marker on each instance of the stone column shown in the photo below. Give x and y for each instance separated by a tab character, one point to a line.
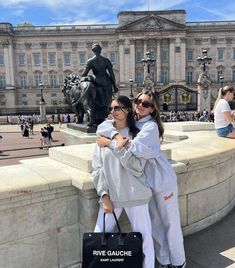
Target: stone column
60	62
121	60
144	56
44	63
29	63
132	59
204	90
75	56
9	66
182	60
172	59
158	59
42	105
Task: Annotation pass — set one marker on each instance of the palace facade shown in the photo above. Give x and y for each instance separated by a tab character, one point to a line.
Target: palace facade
33	55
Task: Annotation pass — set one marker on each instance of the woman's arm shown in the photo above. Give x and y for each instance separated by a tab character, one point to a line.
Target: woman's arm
229	116
146	144
98	175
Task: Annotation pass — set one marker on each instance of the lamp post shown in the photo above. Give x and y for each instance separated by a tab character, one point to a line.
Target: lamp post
148	62
221	79
131	85
204	60
42	104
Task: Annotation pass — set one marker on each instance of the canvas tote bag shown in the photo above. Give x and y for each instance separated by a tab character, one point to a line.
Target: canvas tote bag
112	250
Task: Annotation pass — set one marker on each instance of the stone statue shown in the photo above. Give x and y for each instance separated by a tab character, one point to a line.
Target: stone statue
204	96
105	83
204	83
80	93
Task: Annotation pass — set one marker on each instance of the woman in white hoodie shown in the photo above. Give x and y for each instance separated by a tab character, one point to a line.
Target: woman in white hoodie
164	209
118	188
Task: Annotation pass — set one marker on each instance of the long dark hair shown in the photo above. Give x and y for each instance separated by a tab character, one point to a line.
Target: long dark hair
126	102
156	113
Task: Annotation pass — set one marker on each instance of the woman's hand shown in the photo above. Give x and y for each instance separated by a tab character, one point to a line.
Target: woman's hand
107	204
103	141
122	142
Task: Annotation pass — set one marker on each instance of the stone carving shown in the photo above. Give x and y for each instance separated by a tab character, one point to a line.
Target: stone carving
204	83
153	23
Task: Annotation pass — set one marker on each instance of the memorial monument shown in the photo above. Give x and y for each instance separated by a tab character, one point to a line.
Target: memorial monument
92	94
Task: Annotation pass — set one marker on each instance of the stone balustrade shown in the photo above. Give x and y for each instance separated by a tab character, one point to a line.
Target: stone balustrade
46	204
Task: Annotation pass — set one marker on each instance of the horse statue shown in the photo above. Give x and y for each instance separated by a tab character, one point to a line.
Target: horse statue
80	93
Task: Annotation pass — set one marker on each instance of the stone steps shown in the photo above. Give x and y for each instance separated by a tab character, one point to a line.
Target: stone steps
57	174
76	156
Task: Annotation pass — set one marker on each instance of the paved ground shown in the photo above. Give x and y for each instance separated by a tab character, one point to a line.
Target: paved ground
15	147
213	247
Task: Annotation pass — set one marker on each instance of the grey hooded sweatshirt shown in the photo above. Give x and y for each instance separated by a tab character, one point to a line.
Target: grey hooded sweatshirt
110	177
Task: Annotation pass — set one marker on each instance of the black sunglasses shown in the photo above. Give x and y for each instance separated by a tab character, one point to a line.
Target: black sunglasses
145	104
116	108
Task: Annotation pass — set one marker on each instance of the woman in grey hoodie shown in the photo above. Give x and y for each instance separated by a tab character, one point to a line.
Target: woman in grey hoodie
118	188
160	176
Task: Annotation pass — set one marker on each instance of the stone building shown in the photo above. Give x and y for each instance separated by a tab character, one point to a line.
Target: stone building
30	55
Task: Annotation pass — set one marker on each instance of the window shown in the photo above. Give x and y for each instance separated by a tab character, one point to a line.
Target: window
37	79
53	102
53	94
152	55
22	59
220	53
37	102
82	57
2	81
189	78
219	73
36	58
51	58
23	80
165	55
113	57
138	77
52	80
67	58
234	53
1	59
25	102
165	76
138	56
233	78
189	55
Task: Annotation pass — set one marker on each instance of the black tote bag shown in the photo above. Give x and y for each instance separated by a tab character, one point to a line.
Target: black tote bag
112	250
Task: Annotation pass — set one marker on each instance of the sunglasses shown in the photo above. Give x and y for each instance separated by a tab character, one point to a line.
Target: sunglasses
145	104
116	108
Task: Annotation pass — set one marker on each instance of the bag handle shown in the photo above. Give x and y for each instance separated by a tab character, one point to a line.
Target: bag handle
121	238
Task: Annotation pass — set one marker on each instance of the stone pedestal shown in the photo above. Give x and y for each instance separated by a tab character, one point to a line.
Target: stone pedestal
42	111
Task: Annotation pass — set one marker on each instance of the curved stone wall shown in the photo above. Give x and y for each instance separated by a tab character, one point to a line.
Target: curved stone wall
46	204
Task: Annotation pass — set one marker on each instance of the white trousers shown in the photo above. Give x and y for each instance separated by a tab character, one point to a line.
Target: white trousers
166	227
140	222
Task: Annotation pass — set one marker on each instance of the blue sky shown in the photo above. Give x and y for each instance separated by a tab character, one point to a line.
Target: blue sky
54	12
